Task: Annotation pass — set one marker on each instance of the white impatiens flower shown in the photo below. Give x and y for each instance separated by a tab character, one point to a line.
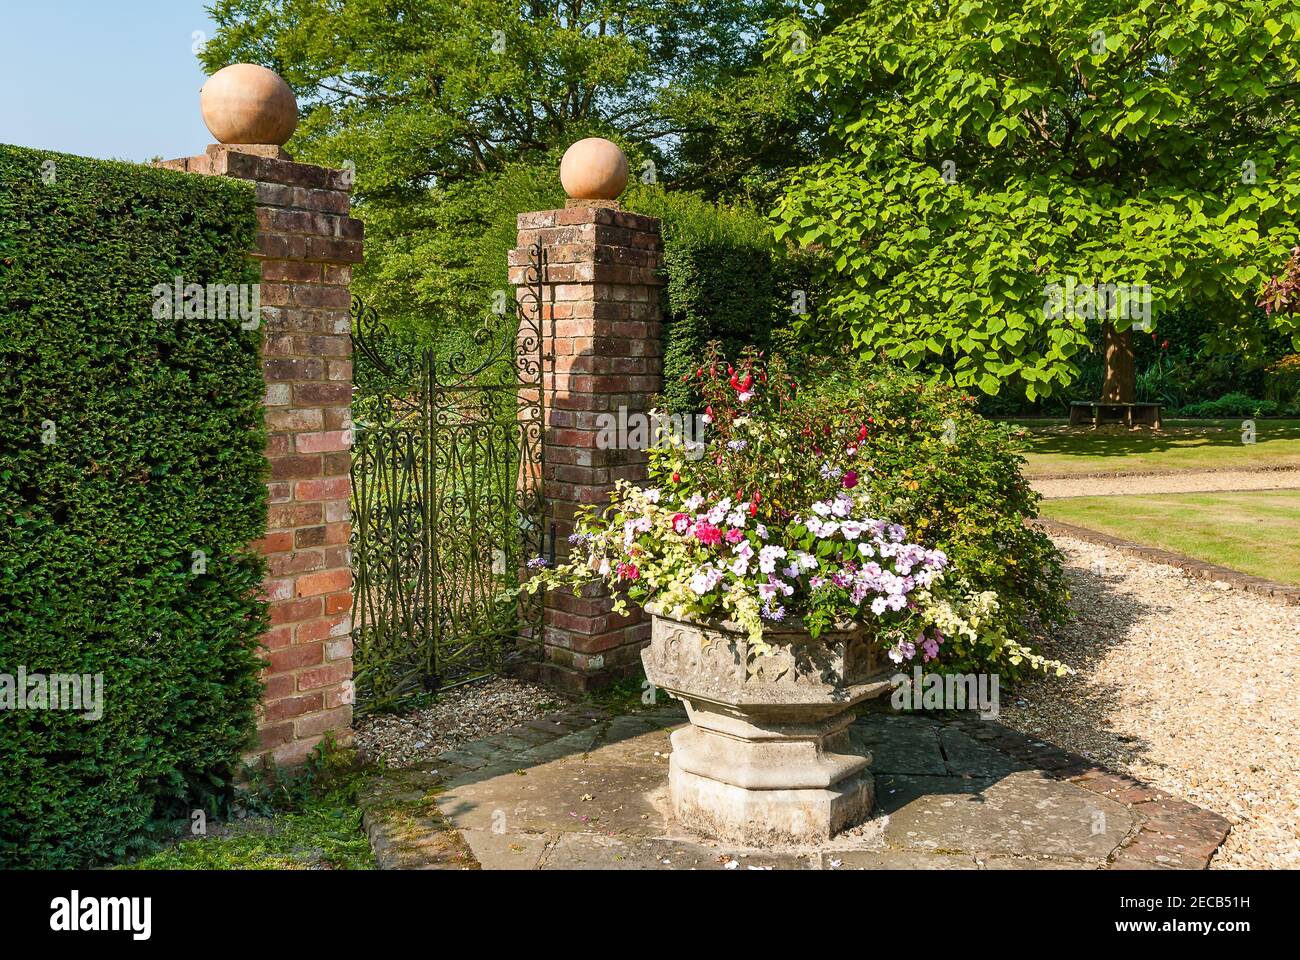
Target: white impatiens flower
736	518
851	529
806	561
705	579
824	529
767	558
744	553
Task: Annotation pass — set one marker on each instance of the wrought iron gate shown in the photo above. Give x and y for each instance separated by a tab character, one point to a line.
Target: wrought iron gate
447	503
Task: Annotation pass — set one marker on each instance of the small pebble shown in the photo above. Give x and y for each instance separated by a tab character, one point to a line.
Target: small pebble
459	716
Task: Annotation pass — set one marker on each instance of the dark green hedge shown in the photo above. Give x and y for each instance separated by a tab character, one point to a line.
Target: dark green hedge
727	278
157	452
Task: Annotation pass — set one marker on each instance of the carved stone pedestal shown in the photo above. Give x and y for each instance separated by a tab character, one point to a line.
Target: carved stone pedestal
767	757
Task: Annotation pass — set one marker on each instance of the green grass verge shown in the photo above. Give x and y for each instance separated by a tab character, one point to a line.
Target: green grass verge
1056	448
1256	532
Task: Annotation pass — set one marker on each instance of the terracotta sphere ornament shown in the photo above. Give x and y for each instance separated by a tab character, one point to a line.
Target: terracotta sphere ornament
594	169
245	103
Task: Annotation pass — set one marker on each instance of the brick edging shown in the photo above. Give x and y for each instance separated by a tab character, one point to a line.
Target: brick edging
1171	833
1283	593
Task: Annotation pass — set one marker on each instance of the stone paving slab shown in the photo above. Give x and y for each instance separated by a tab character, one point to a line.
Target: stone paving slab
584	790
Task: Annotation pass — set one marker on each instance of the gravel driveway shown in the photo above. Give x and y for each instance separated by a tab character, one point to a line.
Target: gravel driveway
1187	687
1200	481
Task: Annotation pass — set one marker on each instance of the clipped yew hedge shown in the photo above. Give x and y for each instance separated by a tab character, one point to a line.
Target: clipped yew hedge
131	480
726	279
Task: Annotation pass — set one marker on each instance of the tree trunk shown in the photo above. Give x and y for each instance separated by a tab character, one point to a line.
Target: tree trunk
1120	385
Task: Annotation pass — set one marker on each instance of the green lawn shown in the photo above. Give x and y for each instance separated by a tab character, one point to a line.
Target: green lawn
1055	448
1256	532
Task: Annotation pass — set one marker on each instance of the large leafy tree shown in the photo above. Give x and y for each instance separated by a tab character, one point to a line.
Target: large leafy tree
986	151
455	113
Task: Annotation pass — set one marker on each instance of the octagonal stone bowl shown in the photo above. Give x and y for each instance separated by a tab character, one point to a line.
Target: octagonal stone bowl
767	757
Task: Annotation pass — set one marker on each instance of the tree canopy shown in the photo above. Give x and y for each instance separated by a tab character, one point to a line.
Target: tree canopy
982	152
455	114
422	93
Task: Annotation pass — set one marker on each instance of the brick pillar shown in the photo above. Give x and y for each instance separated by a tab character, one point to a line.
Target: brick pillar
307	244
601	320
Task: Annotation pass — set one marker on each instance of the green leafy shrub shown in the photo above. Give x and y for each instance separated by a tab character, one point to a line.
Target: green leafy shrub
131	480
726	279
1232	405
1282	380
953	479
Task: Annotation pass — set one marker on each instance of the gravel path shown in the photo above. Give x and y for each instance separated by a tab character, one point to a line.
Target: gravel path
1186	686
1201	481
460	716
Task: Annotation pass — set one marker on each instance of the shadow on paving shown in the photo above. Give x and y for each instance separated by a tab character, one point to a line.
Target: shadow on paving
589	791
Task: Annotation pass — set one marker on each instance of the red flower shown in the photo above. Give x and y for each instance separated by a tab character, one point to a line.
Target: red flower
628	571
862	434
1165	345
850	479
708	534
677	478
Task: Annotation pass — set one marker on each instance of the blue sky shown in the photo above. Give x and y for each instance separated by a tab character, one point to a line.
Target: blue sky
102	78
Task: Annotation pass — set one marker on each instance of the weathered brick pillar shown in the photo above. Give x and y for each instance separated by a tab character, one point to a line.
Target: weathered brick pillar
307	244
601	321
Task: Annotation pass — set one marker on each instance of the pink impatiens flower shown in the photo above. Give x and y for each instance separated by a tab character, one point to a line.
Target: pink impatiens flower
708	534
681	523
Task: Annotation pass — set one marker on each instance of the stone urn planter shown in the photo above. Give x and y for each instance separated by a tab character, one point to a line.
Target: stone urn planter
767	757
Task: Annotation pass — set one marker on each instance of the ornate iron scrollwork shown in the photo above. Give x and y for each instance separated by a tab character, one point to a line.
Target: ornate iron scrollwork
447	501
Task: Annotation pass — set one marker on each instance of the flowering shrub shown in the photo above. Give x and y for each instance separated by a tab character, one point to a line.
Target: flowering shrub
775	522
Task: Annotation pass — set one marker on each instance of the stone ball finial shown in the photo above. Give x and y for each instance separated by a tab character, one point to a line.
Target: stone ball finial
245	103
594	169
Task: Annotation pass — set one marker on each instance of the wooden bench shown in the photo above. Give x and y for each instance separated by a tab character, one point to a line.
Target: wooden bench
1098	412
